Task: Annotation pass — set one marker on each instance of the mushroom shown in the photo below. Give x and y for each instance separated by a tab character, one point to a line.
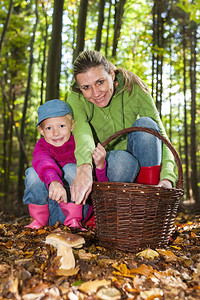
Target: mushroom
64	242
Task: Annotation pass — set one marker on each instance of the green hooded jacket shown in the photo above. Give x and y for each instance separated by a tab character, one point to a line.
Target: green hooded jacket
94	124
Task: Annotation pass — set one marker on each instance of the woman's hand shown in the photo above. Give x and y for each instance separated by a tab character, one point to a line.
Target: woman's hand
98	156
57	192
81	186
165	183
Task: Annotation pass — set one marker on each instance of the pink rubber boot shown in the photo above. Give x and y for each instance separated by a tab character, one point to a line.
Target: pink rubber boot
40	214
73	214
149	175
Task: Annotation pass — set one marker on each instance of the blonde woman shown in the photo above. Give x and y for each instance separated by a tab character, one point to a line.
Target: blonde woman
105	99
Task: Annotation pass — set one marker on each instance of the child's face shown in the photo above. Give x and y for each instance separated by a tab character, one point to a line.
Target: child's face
57	131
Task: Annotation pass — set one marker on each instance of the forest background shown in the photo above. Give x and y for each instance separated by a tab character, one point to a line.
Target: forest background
158	40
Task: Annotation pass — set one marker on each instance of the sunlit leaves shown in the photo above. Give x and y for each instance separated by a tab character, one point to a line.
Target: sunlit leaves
148	253
29	266
92	286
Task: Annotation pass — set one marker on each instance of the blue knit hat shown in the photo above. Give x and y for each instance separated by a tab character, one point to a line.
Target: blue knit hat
51	109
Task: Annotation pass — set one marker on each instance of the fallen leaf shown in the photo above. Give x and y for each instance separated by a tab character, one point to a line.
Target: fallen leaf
175	247
178	240
143	270
138	281
103	262
67	272
152	294
82	254
52	293
170	279
41	231
90	287
3	269
148	253
194	236
13	287
122	268
108	293
169	256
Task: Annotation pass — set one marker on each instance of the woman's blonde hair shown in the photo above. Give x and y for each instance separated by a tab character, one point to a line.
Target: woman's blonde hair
92	58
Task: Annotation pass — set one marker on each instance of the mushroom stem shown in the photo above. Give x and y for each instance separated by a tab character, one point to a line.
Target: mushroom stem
67	257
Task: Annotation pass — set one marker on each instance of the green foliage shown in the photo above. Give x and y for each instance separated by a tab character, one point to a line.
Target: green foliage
192	8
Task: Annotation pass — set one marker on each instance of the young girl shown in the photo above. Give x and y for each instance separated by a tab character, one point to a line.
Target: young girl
54	167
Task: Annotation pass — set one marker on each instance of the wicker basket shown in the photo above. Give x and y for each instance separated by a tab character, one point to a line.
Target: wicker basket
132	216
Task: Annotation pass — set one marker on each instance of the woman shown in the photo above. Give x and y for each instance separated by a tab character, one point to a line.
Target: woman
105	99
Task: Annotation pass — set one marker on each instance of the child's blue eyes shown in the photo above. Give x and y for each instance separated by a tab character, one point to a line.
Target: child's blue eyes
50	128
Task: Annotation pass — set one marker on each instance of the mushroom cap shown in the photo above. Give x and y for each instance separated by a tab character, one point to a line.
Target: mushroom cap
65	239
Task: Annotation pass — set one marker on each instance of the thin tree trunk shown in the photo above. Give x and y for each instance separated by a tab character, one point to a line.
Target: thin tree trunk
5	27
10	141
14	123
44	56
153	48
54	56
159	61
170	96
21	159
108	28
5	155
119	11
100	24
194	180
80	40
185	119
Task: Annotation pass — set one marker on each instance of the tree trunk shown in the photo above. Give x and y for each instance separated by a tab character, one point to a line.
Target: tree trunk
185	119
5	27
159	57
153	49
160	14
100	24
119	11
80	40
22	158
45	36
194	180
5	155
54	56
170	93
108	29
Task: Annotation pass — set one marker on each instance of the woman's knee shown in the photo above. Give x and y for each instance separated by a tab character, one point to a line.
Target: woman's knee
146	147
121	166
147	123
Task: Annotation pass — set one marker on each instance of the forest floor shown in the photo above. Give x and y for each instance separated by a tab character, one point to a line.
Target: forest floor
29	268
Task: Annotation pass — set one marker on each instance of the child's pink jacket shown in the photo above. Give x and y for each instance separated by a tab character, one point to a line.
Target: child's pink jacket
48	161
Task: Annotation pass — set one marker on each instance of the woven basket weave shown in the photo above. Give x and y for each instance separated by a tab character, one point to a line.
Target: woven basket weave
132	216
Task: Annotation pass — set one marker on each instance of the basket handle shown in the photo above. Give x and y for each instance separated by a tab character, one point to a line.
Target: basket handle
179	183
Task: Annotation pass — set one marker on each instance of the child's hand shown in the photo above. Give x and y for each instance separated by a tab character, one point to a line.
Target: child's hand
57	192
98	156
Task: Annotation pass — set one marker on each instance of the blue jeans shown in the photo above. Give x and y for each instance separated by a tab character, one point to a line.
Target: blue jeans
143	149
36	192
